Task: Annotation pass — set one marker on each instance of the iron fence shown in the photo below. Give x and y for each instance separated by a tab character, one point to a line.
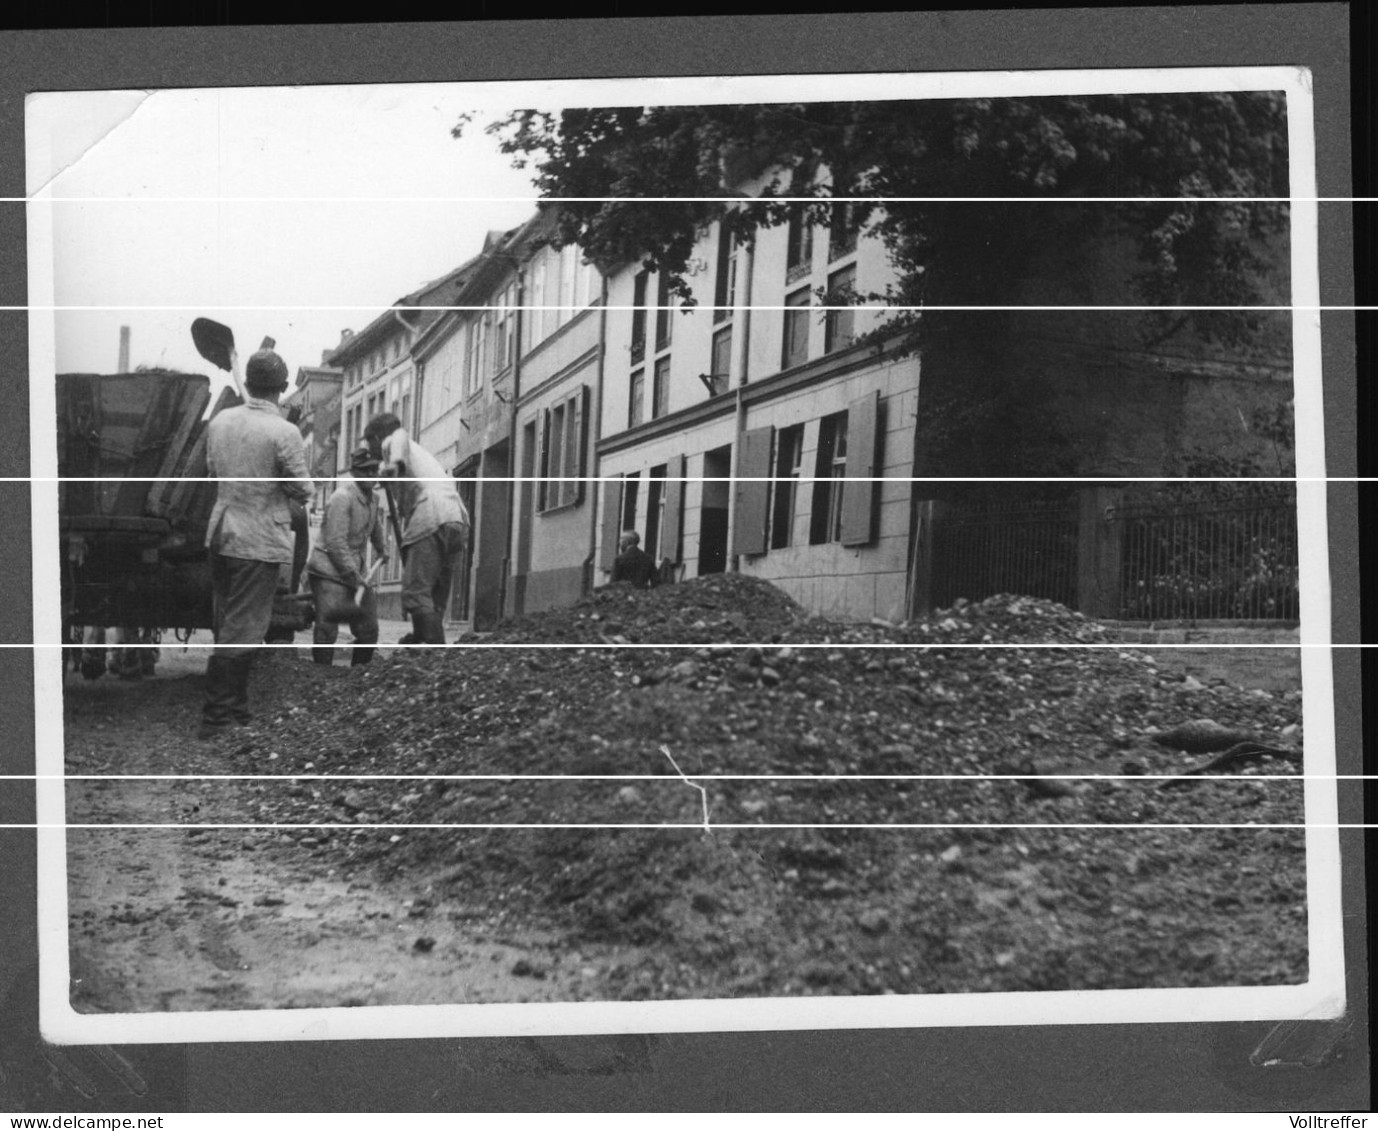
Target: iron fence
1028	548
1212	559
1177	552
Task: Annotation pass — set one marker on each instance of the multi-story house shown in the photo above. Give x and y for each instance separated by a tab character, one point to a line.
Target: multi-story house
560	343
379	376
466	373
752	430
316	398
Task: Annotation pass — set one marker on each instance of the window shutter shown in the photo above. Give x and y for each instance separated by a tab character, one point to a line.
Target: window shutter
863	452
612	523
674	509
579	454
749	533
542	427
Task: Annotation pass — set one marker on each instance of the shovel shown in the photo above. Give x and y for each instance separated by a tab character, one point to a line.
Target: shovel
215	342
353	609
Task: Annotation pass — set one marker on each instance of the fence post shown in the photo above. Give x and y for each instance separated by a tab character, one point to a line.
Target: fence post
1098	552
927	513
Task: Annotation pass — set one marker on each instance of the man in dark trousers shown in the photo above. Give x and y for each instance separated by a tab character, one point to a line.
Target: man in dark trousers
260	460
633	563
352	522
434	521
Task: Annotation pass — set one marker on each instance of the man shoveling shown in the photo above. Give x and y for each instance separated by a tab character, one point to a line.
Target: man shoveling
339	580
434	526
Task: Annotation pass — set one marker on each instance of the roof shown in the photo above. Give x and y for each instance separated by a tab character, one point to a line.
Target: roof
441	291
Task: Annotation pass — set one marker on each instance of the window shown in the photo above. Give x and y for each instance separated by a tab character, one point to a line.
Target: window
535	317
639	316
722	357
655	507
504	328
664	314
629	492
725	286
799	249
553	458
839	325
636	406
660	396
475	363
843	226
789	456
825	520
796	345
569	268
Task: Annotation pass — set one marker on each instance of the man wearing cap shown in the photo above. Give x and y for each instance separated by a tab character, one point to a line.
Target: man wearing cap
260	460
435	524
352	522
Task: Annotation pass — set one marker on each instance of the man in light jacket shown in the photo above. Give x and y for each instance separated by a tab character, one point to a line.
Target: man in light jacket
435	524
260	460
351	524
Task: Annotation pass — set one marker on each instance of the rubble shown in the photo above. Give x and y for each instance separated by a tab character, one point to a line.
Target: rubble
732	678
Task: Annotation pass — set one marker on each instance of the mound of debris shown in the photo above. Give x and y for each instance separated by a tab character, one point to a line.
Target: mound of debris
705	759
720	607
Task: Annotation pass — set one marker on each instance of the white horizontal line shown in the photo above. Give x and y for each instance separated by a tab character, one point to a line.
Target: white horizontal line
686	479
38	198
679	778
920	307
696	825
795	646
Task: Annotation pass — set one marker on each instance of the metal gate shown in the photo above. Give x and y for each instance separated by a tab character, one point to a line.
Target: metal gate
1029	549
1182	552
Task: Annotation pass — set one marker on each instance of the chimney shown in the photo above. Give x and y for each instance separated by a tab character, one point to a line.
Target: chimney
124	350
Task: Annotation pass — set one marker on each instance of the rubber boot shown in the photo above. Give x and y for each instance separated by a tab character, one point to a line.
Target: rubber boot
430	628
240	669
324	656
217	715
361	656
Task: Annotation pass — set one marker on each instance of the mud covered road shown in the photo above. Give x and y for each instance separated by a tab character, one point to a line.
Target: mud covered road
191	919
378	877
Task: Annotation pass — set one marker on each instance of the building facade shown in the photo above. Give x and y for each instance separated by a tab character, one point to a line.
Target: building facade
466	364
554	507
751	430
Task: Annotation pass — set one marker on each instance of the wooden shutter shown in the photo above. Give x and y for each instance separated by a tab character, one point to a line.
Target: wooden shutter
578	457
542	446
612	523
674	509
749	527
863	450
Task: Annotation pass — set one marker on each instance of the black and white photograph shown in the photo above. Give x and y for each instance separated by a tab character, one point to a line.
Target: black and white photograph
680	555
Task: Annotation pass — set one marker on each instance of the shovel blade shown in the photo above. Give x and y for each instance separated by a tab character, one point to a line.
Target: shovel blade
214	341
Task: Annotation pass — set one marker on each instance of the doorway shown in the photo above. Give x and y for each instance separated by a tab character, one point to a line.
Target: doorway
717	470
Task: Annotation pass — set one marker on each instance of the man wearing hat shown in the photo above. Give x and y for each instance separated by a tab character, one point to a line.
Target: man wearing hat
352	522
260	460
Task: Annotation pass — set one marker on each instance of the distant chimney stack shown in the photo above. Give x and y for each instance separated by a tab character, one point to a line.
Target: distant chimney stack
124	350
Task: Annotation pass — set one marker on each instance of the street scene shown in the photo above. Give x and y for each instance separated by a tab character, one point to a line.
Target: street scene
768	550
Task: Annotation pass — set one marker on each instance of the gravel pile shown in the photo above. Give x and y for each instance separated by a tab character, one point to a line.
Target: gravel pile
843	718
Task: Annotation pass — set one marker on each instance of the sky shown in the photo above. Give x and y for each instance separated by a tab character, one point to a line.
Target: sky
157	200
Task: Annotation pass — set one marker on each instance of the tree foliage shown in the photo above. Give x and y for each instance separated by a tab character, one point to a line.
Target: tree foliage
612	167
645	183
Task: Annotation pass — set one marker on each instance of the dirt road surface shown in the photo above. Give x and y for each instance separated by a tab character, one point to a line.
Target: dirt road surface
189	919
830	868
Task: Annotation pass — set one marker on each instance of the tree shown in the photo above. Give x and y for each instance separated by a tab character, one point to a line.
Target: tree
948	250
